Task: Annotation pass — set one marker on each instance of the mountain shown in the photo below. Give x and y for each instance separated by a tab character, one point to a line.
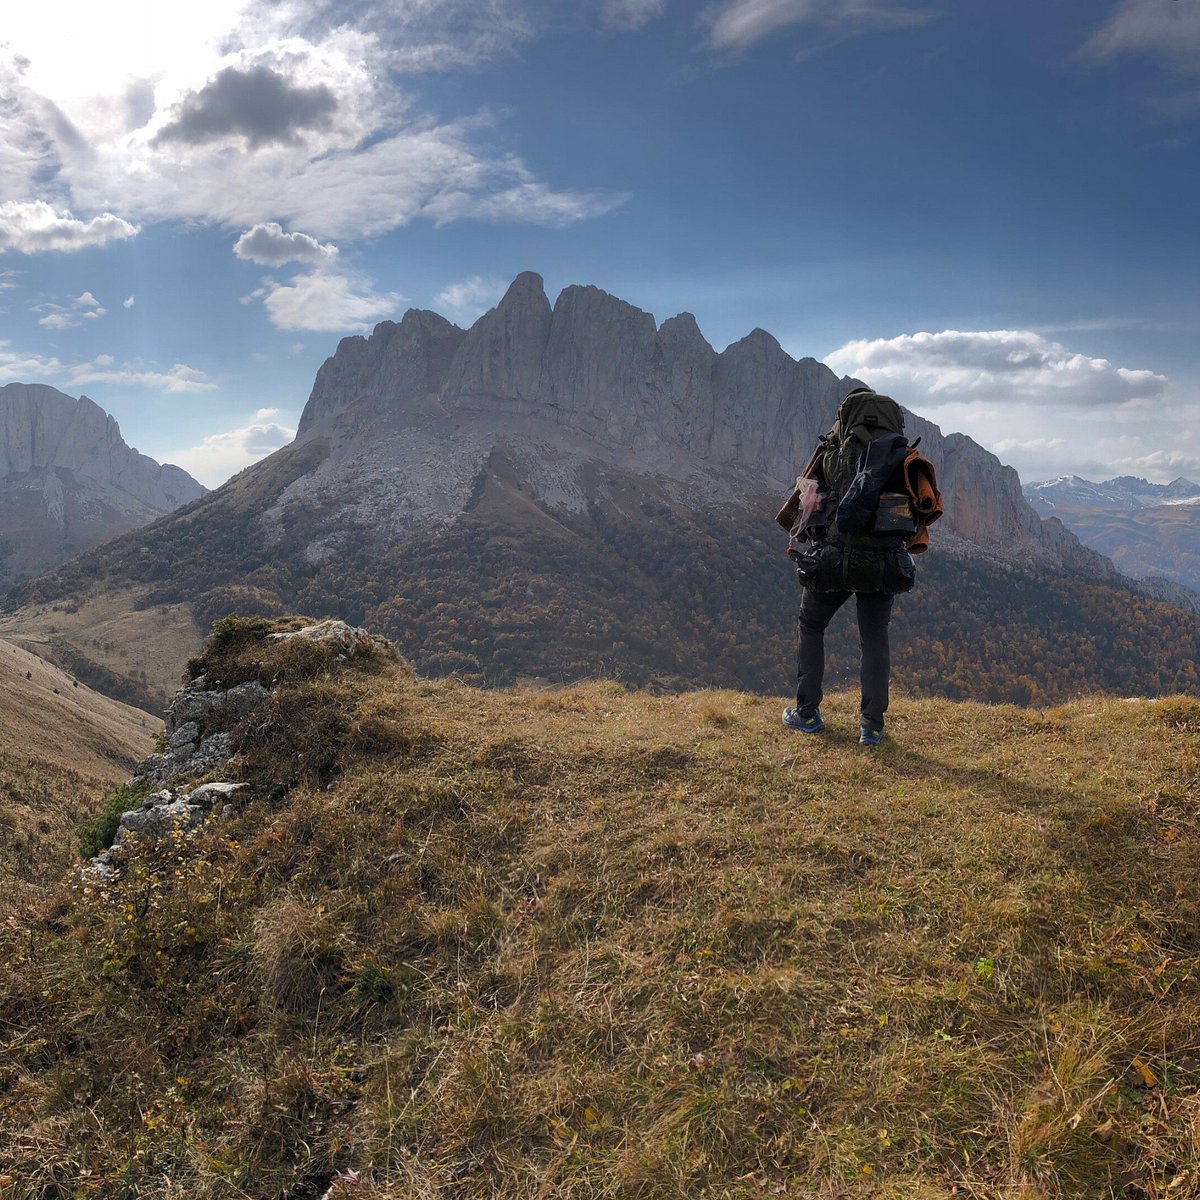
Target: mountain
1147	529
439	941
1071	493
69	482
573	489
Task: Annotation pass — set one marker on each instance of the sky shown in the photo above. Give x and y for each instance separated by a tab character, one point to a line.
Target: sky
987	210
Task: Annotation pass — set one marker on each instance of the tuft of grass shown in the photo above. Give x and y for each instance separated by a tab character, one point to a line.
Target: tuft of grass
297	952
240	649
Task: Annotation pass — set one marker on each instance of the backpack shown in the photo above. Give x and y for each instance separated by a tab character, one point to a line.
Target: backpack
851	551
862	417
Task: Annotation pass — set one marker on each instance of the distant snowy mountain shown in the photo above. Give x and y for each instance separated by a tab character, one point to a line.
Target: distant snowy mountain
1125	493
1147	529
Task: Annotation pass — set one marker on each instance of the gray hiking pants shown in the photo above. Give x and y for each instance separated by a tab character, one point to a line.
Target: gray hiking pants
874	612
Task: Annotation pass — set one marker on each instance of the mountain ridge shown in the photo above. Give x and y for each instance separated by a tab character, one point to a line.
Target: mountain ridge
69	481
571	489
1151	531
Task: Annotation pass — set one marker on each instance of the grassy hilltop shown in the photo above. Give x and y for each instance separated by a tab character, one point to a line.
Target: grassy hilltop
591	943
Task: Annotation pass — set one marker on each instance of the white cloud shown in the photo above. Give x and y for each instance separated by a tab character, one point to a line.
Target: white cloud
17	367
59	317
216	457
527	201
632	14
58	320
469	298
127	302
327	302
1164	465
1165	29
273	111
261	414
268	245
1022	396
998	366
180	378
32	227
739	24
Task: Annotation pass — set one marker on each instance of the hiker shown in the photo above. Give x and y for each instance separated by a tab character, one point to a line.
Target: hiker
859	511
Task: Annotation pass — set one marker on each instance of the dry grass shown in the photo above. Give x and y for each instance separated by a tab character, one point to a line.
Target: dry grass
297	952
590	943
118	631
62	748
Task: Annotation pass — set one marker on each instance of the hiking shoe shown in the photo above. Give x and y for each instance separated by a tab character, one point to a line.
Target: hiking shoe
868	736
793	720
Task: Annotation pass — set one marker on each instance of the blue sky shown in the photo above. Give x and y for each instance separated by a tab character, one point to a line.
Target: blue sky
989	210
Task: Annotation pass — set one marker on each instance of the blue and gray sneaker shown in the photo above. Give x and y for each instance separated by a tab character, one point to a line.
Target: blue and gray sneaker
868	736
793	720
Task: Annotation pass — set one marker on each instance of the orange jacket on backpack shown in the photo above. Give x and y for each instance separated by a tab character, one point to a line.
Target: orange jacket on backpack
920	482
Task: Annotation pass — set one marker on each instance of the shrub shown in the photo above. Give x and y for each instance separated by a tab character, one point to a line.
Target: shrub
97	832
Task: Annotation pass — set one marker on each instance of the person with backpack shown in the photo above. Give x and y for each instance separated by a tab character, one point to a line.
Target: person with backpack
864	501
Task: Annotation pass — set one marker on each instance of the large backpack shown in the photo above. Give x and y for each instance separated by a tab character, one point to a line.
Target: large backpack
862	417
868	561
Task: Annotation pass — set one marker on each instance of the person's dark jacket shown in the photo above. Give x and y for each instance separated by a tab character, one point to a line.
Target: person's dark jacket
881	462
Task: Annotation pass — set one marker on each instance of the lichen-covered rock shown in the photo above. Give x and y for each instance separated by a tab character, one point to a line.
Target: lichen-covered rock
349	640
185	735
193	704
163	811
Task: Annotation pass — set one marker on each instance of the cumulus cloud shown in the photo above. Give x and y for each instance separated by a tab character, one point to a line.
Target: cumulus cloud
1022	396
127	302
1164	465
258	104
735	25
274	112
268	245
327	302
469	298
220	455
994	366
58	316
180	378
33	227
19	367
1165	29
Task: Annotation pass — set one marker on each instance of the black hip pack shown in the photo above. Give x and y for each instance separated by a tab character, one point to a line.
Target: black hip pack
830	567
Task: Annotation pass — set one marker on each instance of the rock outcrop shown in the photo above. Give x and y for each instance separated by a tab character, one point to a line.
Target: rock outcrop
68	481
593	380
201	733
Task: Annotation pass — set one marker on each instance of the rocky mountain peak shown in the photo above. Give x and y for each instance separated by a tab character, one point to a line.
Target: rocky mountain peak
383	376
683	330
527	290
594	380
68	480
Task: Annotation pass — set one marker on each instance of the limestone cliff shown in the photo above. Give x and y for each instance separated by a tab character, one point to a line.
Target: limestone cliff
68	481
595	380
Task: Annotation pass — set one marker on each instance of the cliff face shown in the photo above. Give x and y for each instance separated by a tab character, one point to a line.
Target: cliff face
68	481
594	380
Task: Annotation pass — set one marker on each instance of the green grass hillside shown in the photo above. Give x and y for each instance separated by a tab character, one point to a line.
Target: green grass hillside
593	943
